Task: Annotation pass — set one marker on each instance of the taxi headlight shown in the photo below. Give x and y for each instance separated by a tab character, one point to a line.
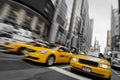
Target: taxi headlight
44	51
105	66
75	59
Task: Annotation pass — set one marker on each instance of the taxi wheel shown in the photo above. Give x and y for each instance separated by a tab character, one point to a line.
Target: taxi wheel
20	50
50	60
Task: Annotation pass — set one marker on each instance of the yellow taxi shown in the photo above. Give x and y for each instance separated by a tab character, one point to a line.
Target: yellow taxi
92	63
49	55
18	47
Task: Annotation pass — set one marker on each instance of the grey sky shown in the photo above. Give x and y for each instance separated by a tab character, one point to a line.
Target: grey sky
100	11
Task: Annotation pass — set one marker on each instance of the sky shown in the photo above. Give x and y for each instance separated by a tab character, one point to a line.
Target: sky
100	11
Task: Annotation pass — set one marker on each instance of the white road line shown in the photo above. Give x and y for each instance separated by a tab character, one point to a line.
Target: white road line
68	73
118	74
65	67
4	50
115	72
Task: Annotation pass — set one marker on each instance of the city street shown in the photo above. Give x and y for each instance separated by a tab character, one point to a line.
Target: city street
13	67
56	31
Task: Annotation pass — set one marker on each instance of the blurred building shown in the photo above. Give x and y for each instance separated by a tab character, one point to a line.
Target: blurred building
58	29
89	34
119	21
74	27
85	25
108	38
108	43
96	45
77	33
114	29
31	15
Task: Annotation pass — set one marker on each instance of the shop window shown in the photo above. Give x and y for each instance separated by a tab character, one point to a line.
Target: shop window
27	21
11	18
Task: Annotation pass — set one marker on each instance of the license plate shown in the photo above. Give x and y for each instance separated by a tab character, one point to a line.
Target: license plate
87	69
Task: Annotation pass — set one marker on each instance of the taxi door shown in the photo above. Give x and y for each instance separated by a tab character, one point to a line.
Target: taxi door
63	55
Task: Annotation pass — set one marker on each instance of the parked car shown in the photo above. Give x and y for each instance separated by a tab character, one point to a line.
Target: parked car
115	59
49	55
18	47
93	63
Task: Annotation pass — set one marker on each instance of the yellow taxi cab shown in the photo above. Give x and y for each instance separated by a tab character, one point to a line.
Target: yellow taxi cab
49	55
92	63
18	47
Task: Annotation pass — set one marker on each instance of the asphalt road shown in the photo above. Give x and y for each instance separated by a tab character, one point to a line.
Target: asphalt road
13	67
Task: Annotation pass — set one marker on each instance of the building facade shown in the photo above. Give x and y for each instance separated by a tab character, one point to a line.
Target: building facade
85	25
114	30
89	34
108	43
96	45
34	16
58	28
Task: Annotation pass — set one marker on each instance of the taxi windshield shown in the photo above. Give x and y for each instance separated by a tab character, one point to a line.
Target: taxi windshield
37	44
95	54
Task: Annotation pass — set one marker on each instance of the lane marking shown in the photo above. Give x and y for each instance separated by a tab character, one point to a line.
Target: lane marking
116	73
4	50
70	74
119	75
65	67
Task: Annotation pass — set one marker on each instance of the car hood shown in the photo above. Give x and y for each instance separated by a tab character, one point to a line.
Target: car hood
90	58
39	48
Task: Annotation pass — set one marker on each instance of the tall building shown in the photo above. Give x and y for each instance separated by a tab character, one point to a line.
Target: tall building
31	15
74	28
96	45
79	24
119	21
114	30
84	25
58	29
89	34
108	43
108	38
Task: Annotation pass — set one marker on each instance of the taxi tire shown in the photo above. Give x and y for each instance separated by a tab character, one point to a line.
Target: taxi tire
20	50
48	59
